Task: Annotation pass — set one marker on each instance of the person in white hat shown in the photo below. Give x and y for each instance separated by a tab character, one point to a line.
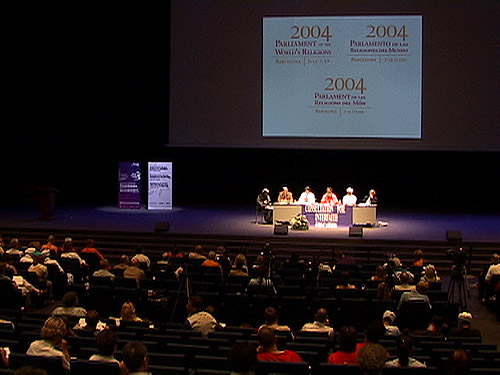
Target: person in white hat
464	328
349	199
388	319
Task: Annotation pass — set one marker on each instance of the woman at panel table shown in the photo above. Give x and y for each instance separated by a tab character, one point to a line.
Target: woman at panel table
329	197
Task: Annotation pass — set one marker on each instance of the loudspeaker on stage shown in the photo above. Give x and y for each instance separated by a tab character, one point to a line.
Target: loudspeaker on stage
356	232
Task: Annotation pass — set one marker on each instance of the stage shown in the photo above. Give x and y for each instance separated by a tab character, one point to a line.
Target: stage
240	221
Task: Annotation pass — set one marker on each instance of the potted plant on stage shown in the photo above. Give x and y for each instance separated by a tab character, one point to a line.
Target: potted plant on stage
300	222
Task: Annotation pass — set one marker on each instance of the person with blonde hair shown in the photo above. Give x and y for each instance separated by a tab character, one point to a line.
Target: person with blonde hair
240	266
52	343
128	313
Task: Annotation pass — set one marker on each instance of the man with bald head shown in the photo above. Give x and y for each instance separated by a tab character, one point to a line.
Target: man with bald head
321	323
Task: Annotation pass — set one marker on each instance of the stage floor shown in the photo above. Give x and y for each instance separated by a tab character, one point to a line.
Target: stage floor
240	221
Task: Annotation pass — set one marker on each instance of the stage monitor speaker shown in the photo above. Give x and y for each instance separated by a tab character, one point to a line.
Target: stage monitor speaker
162	227
281	229
454	235
356	232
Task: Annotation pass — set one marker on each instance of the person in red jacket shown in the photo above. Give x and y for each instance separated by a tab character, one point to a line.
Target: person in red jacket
268	350
347	354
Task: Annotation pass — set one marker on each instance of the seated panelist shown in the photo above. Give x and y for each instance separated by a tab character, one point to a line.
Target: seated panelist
370	199
285	196
265	205
307	196
349	199
329	197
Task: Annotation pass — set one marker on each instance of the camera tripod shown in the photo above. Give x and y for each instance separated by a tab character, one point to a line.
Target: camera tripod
458	284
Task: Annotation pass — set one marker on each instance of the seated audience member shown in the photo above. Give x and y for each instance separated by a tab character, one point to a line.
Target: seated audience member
486	289
385	291
329	197
135	358
28	257
70	307
240	266
380	274
106	346
416	295
128	313
123	262
268	350
103	270
388	319
27	289
198	319
51	259
371	358
134	271
437	327
464	328
175	253
374	332
344	281
144	261
90	323
271	321
68	251
14	248
347	354
50	246
349	199
52	343
430	274
419	261
242	359
210	261
404	279
91	248
344	258
42	272
459	363
321	323
197	253
494	268
404	346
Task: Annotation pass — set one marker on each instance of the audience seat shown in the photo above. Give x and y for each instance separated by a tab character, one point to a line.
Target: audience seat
86	367
295	368
53	365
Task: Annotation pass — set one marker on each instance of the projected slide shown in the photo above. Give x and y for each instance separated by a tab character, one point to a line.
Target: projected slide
342	77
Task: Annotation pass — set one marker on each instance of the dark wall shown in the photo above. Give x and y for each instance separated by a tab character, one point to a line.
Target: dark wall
85	86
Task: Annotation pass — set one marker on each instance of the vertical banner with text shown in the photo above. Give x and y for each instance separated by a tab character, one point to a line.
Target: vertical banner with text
129	184
159	185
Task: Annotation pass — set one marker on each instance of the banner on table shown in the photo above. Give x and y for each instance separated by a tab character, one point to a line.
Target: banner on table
328	216
159	185
129	184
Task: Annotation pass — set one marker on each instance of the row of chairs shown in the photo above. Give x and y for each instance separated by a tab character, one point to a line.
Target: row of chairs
202	364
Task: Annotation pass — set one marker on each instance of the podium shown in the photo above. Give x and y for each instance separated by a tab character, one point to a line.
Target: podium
47	201
364	215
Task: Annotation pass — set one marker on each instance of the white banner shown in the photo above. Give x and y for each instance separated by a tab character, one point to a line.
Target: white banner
159	185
